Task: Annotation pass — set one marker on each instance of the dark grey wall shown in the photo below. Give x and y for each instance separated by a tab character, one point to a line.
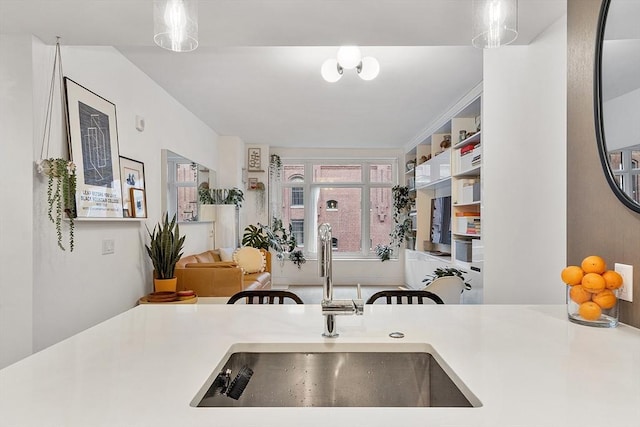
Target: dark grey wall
597	222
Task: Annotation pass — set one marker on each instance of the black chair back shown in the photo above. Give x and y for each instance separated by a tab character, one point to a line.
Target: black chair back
265	297
401	295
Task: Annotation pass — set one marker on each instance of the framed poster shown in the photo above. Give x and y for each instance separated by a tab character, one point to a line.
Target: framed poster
254	160
93	145
253	183
132	176
138	202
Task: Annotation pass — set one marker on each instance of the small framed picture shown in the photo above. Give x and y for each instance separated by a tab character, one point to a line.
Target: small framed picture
254	160
131	176
125	213
253	183
138	203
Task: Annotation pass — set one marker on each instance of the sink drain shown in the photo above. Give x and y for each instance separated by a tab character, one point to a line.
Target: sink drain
396	335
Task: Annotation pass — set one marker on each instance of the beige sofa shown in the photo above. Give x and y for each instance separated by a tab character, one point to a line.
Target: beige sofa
209	276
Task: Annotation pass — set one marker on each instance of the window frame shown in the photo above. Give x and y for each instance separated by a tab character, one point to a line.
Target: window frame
310	219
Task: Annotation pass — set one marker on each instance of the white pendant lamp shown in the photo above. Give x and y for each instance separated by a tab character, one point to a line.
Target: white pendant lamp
331	71
369	68
349	57
175	24
495	23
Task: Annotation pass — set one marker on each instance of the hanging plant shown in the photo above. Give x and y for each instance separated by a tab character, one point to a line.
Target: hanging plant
275	166
297	257
61	190
260	197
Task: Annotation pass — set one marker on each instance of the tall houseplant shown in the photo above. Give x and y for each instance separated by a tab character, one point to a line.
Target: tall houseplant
165	249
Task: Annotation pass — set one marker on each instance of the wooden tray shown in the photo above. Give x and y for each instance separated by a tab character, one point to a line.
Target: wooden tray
193	300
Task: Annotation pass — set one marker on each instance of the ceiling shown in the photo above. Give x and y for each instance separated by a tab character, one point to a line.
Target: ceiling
256	72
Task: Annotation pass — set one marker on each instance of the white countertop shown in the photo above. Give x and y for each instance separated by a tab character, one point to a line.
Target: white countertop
528	365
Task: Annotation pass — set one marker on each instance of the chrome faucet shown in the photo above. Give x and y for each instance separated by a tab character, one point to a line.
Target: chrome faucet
331	307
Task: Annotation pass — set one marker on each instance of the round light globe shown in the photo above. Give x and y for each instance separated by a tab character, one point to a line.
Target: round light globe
329	71
349	57
370	68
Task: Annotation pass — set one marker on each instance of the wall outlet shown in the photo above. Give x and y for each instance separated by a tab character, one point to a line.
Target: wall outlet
108	246
626	291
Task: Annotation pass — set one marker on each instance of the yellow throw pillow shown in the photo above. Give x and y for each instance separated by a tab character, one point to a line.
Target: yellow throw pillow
250	260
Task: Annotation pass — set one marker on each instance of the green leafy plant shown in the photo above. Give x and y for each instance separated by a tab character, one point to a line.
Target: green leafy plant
254	237
402	202
221	196
61	191
280	239
297	257
275	166
384	252
443	272
165	248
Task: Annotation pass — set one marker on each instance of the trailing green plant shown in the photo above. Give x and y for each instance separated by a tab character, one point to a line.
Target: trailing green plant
61	191
165	247
297	257
221	196
447	271
275	166
402	202
384	252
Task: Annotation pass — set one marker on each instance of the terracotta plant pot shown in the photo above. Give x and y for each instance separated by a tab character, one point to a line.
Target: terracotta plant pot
165	285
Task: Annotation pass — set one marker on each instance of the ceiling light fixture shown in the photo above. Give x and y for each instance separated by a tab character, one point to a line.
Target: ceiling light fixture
495	23
348	58
175	24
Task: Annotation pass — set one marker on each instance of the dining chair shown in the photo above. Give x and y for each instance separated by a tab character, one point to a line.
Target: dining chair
265	297
448	288
403	296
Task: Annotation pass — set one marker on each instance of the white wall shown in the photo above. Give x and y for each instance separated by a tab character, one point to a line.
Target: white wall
524	170
16	216
621	117
75	290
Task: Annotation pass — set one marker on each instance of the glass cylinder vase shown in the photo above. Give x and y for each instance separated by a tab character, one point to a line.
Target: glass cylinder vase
598	309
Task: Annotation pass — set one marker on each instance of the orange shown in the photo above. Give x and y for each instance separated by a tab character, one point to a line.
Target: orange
579	295
594	264
605	299
612	279
592	282
572	275
589	310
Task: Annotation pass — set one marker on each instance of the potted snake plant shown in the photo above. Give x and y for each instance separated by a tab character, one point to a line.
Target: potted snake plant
165	249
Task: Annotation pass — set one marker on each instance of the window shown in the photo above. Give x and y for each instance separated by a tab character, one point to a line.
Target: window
183	189
297	229
625	165
312	190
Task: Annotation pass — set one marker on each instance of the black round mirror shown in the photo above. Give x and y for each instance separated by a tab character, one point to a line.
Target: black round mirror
617	98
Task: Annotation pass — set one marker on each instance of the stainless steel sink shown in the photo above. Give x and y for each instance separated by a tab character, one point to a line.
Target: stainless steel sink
338	375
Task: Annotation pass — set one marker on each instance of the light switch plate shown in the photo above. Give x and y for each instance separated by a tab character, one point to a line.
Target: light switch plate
626	271
108	246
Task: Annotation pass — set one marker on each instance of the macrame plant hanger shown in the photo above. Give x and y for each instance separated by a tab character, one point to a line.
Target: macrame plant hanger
61	186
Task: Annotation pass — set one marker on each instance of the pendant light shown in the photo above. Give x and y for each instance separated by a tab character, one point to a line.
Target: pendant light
495	23
175	24
348	58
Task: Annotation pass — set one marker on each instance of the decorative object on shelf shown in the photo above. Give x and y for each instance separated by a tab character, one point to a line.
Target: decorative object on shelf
254	160
424	159
253	183
175	24
446	142
462	136
443	272
131	176
495	23
165	249
138	202
60	173
411	164
94	146
297	257
275	166
349	57
220	196
383	252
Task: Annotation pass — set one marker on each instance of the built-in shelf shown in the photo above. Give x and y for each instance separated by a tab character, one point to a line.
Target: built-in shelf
82	219
474	171
441	183
459	205
476	235
470	140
